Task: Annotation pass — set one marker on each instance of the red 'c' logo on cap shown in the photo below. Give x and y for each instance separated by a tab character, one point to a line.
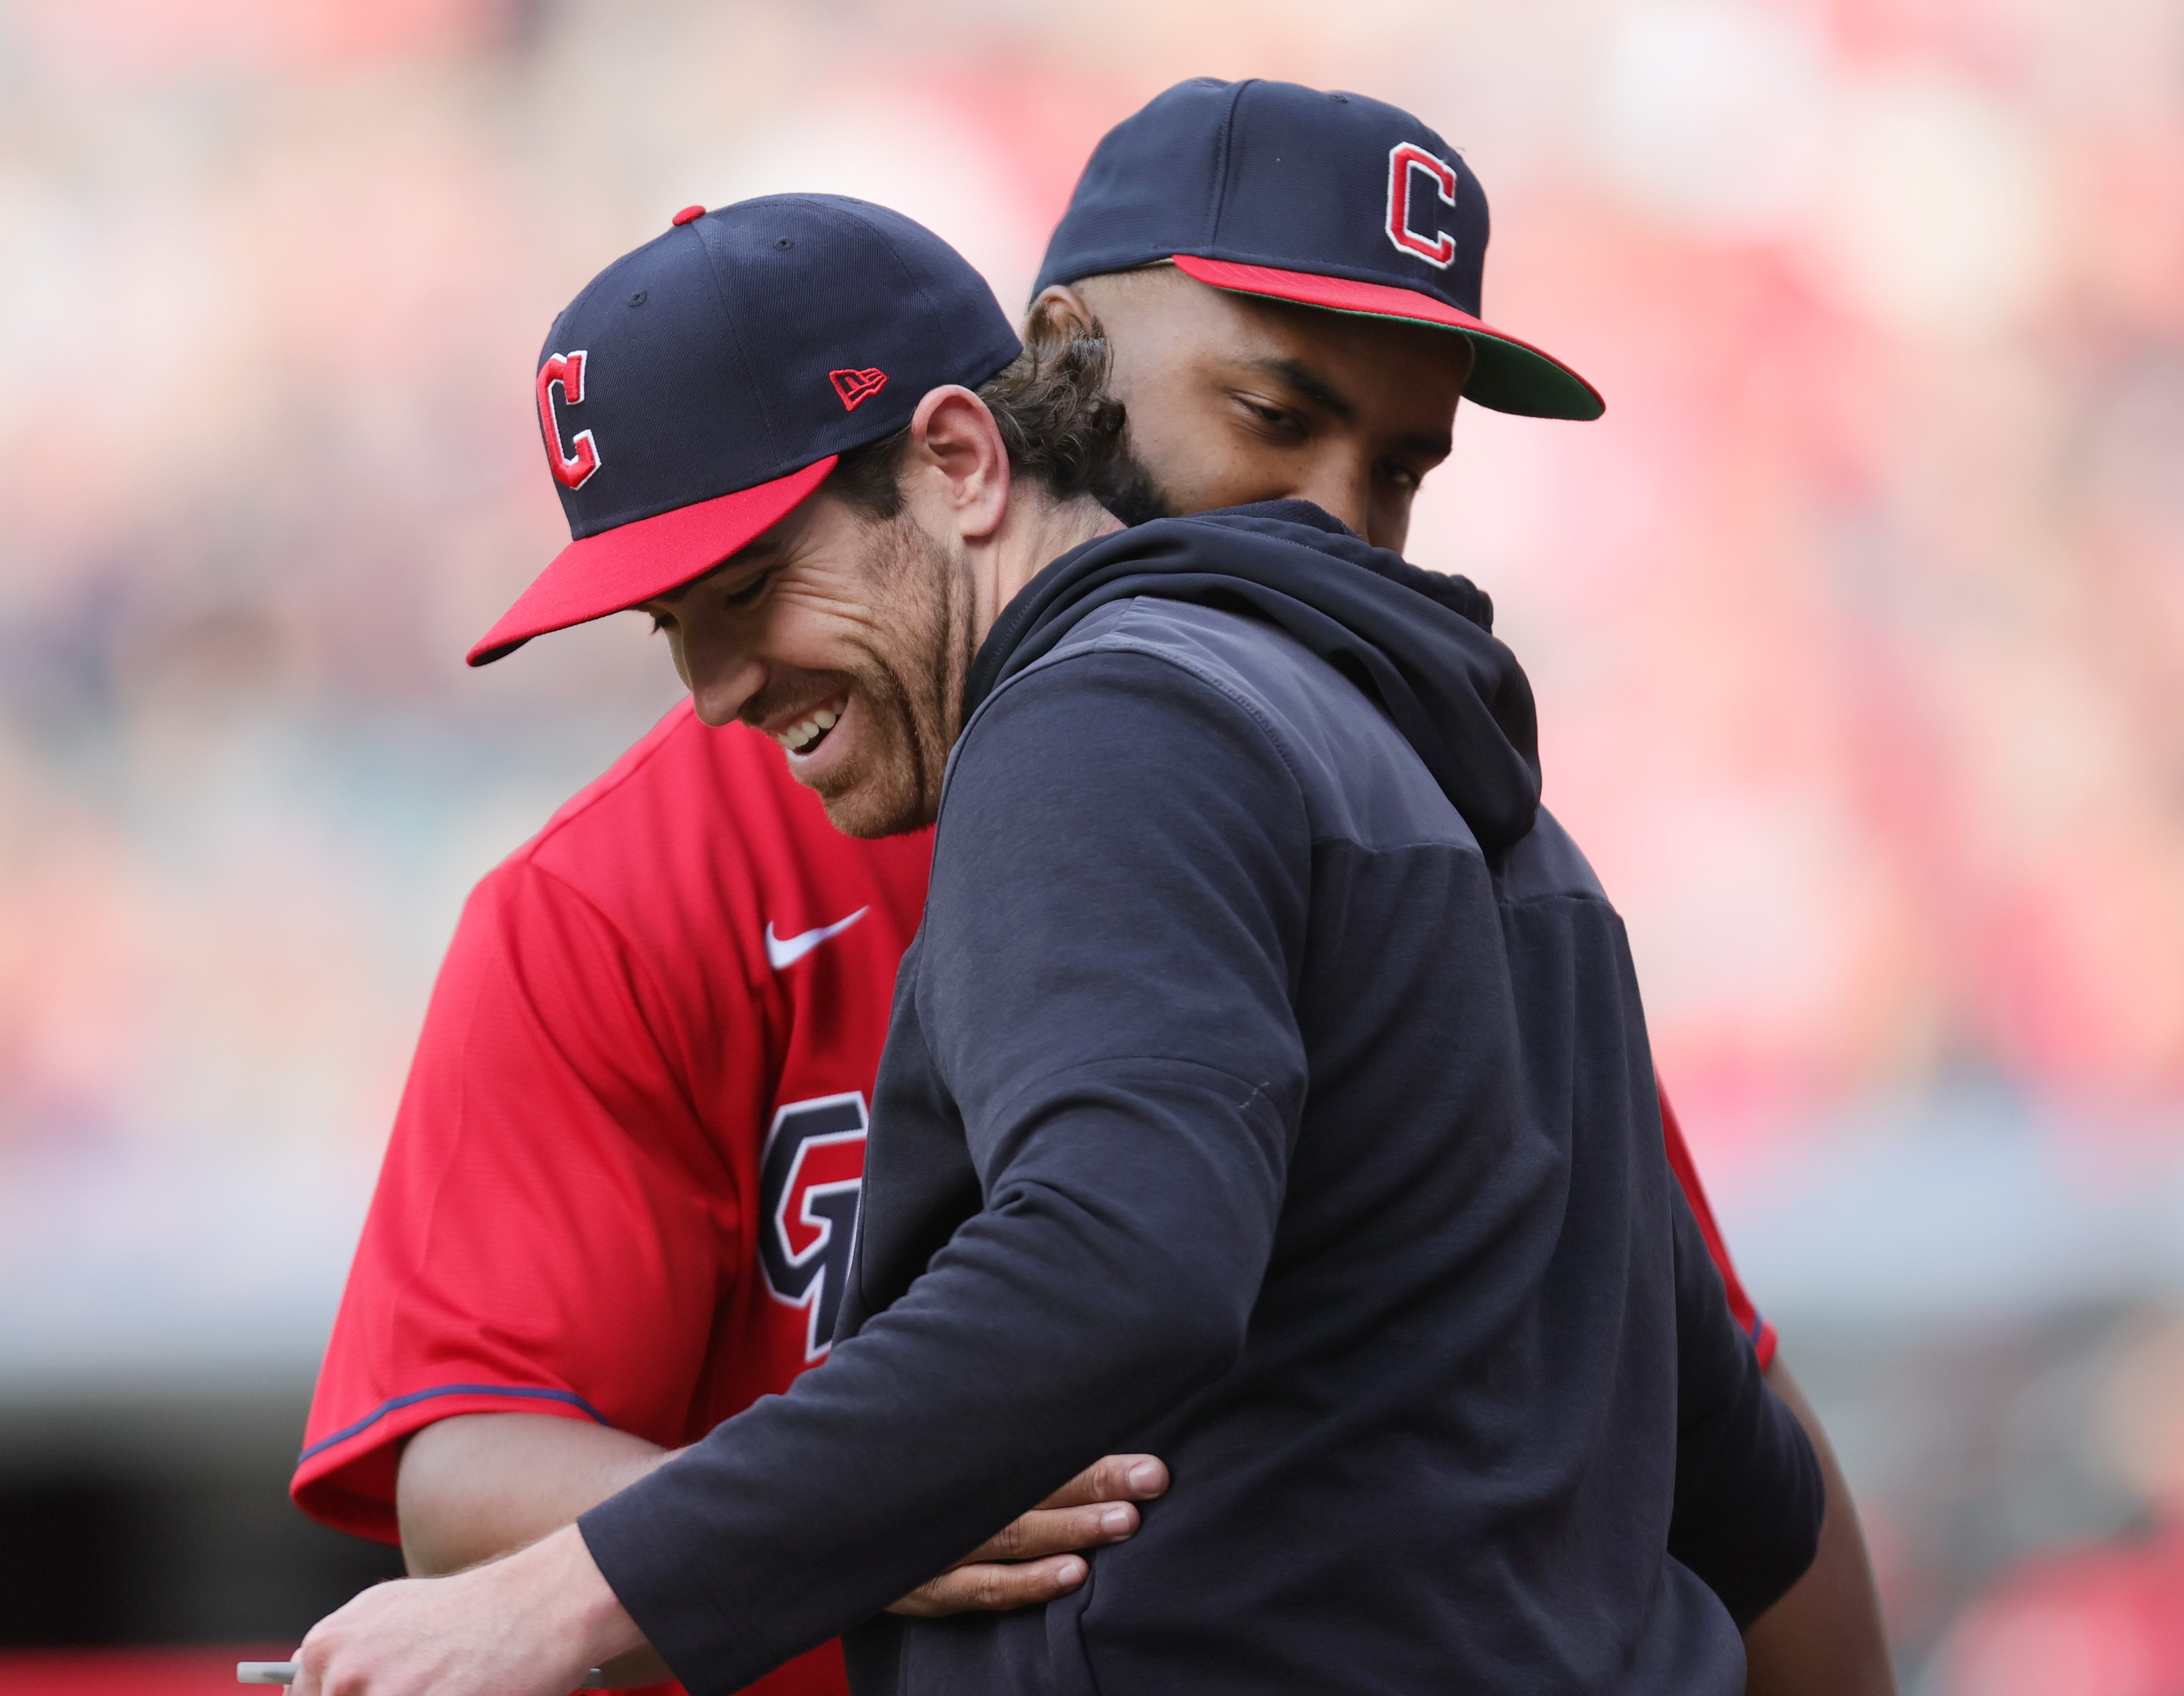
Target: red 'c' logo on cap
857	387
573	469
1405	160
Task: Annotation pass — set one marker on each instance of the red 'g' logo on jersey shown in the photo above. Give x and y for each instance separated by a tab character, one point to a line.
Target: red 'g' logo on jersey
1406	159
809	1178
573	467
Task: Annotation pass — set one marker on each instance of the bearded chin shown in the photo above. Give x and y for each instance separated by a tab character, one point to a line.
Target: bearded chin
881	790
911	691
1131	492
868	809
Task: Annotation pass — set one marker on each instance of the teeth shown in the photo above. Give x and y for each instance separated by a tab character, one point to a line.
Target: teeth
805	731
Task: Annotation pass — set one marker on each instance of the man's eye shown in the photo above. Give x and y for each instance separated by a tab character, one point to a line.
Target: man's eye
662	621
749	594
1273	416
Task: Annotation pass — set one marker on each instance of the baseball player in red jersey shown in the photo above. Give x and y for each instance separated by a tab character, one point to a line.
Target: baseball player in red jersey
619	1191
621	1188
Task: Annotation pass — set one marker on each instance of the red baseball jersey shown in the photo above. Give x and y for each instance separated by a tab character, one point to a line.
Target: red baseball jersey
622	1184
622	1181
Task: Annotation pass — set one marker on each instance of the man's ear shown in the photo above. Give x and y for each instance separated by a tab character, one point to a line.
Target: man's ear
958	461
1061	308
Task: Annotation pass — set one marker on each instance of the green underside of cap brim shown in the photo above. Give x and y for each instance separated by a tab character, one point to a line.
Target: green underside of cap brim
1507	377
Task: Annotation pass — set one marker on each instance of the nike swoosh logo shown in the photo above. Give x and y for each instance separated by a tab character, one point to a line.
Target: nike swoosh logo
784	952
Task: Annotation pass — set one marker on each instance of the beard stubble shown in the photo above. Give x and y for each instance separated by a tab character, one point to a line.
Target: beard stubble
910	684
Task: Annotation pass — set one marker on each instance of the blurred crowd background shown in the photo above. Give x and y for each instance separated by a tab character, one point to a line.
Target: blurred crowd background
1857	625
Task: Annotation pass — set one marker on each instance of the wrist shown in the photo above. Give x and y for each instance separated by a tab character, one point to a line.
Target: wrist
581	1607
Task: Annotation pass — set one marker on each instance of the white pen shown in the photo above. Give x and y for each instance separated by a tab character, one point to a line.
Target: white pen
284	1672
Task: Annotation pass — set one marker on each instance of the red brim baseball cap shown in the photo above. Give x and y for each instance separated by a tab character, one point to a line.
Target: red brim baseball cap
633	563
703	386
1506	375
1327	200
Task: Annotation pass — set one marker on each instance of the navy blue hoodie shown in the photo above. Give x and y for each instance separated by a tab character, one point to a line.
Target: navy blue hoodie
1268	1090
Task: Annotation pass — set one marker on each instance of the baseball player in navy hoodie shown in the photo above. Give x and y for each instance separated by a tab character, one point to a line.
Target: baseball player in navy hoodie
1268	1087
1264	355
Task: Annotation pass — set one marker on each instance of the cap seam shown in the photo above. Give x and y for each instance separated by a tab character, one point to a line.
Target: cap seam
909	272
1228	153
714	261
598	282
918	282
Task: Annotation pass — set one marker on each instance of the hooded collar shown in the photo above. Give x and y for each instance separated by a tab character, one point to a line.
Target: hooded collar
1415	641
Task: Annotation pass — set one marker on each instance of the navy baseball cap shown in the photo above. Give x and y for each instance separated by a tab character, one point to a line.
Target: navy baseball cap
703	386
1331	200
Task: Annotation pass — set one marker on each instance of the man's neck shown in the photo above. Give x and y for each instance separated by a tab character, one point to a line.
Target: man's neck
1038	530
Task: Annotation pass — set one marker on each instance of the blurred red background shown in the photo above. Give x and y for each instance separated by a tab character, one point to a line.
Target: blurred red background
1857	627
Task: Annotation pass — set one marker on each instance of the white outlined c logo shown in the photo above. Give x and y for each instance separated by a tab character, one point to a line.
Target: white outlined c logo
1405	160
573	469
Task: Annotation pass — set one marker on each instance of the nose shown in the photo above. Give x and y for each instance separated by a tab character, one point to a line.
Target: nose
721	677
1346	490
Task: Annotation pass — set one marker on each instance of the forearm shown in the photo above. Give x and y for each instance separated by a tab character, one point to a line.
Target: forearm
478	1486
1002	1372
1825	1637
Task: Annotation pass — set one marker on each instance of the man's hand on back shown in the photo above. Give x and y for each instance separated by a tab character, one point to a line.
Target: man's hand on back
472	1487
1034	1558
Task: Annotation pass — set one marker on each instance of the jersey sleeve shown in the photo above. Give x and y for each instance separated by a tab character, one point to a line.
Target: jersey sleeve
553	1229
1748	1318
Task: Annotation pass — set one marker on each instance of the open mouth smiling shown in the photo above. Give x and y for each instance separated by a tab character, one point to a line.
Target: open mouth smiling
804	736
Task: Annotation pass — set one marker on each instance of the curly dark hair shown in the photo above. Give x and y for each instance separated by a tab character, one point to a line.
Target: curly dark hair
1050	403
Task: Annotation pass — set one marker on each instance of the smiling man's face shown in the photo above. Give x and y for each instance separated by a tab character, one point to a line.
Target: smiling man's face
1235	398
846	639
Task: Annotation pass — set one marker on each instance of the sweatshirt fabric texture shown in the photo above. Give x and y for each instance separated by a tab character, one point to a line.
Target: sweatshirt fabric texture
1268	1089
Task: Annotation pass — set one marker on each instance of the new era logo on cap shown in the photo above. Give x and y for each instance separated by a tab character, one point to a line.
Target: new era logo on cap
700	387
1328	200
857	387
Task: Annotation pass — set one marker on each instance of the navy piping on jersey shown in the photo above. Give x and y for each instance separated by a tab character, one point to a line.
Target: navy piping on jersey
387	1407
1754	1330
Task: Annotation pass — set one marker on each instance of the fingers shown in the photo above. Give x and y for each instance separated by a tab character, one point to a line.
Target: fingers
1092	1509
1056	1530
1034	1558
1116	1478
994	1587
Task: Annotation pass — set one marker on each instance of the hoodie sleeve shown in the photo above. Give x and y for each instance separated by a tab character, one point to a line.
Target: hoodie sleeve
1103	990
1749	1494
